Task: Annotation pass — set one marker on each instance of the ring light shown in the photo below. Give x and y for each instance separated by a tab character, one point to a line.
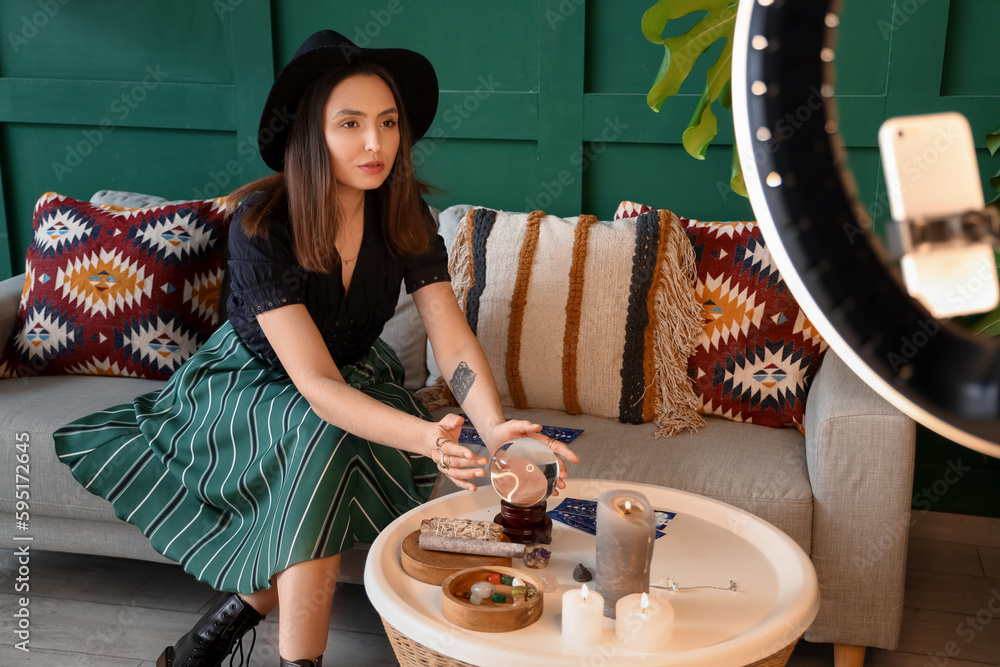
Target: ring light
804	199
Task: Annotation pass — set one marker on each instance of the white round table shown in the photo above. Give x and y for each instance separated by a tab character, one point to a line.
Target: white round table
707	543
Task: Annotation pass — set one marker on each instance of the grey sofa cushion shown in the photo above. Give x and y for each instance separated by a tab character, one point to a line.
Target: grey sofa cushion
40	405
106	536
132	199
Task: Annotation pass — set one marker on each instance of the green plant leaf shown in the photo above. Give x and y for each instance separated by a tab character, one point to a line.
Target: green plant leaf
680	55
704	126
736	183
986	325
683	51
726	98
995	181
993	141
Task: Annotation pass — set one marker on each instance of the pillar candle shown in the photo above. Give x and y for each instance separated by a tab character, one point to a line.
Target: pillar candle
582	617
625	536
644	625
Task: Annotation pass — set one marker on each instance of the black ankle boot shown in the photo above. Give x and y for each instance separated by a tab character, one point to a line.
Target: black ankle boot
318	662
213	637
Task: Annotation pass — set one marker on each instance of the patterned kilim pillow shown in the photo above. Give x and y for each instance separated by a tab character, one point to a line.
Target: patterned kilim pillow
115	291
757	353
583	316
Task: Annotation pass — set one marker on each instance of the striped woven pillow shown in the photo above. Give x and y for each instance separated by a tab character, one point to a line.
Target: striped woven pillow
583	316
758	352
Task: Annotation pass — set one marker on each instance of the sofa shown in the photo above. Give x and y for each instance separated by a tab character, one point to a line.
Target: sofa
841	487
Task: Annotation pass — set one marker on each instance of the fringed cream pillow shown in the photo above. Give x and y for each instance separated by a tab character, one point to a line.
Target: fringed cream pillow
583	316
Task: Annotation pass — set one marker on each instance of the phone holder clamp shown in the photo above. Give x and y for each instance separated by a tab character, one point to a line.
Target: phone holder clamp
967	227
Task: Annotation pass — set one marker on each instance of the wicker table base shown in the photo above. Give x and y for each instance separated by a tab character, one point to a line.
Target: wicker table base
411	654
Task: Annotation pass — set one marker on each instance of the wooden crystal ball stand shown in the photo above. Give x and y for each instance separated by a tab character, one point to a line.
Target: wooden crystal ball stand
525	525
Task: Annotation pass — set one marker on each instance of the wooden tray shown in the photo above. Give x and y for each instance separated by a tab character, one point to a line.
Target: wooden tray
488	616
433	567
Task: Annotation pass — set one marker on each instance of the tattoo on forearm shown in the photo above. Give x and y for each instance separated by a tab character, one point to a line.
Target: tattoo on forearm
461	381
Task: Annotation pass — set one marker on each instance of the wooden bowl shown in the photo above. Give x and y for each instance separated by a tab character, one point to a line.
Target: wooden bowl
433	567
489	616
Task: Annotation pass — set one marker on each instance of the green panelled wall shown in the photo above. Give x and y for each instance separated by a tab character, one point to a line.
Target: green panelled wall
542	102
113	94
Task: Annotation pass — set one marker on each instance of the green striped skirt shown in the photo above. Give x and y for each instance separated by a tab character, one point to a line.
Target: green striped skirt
229	472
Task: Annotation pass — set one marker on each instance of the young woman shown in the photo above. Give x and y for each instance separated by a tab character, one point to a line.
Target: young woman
288	436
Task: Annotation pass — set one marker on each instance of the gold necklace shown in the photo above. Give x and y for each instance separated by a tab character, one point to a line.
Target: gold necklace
355	258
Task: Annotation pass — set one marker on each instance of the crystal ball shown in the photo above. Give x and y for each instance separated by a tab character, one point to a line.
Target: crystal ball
524	472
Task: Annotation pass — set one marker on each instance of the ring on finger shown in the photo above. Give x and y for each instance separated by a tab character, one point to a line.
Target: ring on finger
443	464
441	442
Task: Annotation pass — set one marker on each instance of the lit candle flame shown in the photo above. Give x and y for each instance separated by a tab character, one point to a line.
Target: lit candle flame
584	593
628	507
643	603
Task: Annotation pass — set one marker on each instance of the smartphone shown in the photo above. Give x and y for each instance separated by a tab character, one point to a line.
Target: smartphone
931	172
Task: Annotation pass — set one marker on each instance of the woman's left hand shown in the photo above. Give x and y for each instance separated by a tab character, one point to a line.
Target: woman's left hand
519	428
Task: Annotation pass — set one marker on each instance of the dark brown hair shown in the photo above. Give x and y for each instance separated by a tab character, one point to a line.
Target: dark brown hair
309	191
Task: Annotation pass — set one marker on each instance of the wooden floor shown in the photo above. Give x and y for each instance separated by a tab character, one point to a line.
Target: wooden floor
104	612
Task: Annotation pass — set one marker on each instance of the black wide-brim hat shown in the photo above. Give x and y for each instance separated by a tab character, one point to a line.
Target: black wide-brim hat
414	76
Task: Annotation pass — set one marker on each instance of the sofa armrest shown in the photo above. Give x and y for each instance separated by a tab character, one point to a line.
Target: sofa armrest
10	297
860	455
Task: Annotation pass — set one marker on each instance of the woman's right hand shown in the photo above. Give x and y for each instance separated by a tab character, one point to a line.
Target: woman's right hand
455	461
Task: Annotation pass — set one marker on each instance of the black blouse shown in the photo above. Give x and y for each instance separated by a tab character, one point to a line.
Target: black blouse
265	274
